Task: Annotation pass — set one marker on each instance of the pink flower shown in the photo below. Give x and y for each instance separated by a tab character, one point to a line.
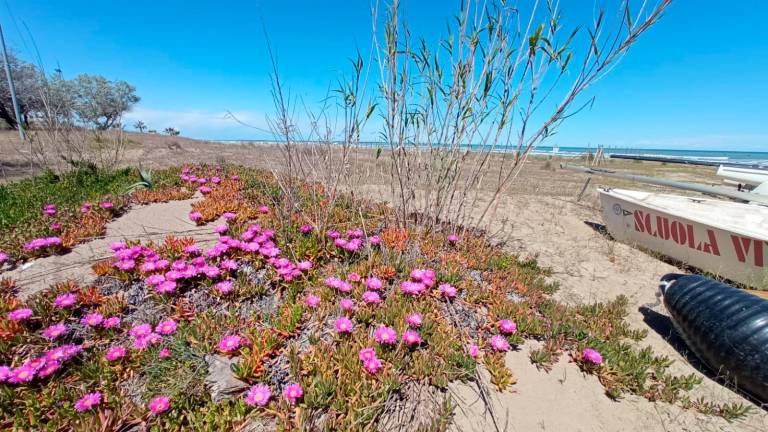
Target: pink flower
499	343
92	319
195	216
211	272
344	325
140	330
371	297
228	216
263	209
367	354
115	353
412	288
224	287
411	337
592	356
20	314
230	343
3	257
106	205
235	177
54	331
374	240
111	322
453	238
155	279
353	277
88	401
258	395
414	320
166	287
49	210
5	373
385	335
49	368
159	405
312	301
293	393
473	350
117	246
55	226
347	304
126	264
192	249
304	265
333	234
86	207
373	283
507	327
447	290
164	353
22	374
167	327
305	229
65	300
215	180
220	229
345	287
372	365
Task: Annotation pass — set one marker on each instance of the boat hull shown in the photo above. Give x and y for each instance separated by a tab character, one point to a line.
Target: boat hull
631	217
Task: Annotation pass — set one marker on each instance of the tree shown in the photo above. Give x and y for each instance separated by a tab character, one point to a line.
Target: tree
28	80
171	131
99	102
140	125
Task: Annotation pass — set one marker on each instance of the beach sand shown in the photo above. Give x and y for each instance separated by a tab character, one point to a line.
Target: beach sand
544	220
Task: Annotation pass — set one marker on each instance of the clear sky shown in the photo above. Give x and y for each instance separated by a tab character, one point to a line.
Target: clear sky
696	80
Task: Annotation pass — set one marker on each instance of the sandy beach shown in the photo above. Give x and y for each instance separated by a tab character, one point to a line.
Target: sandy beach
538	217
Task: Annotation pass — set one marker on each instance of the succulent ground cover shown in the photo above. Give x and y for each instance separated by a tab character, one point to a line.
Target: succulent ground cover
285	325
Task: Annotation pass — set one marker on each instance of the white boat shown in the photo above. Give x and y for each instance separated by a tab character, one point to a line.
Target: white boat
725	238
745	176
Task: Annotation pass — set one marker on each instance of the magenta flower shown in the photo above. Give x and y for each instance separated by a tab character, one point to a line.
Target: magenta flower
347	304
155	279
224	287
372	365
54	331
305	229
333	234
228	264
235	177
447	290
86	207
304	265
367	354
49	368
453	238
473	350
88	401
49	210
20	314
374	240
92	319
507	327
3	257
55	226
373	283
195	216
220	229
312	301
228	216
412	288
115	353
353	277
5	373
166	287
343	325
230	343
592	356
111	322
164	353
499	343
167	327
414	320
140	330
293	393
117	246
385	335
411	338
159	405
263	209
371	297
345	287
192	249
22	374
106	205
258	395
126	264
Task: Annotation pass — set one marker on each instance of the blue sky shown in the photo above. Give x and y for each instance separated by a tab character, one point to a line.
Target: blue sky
696	80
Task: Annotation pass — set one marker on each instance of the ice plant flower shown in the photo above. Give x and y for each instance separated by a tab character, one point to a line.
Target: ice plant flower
111	322
333	234
195	216
106	205
353	277
414	320
55	226
92	319
304	265
258	395
372	365
3	257
164	353
347	304
507	327
374	240
22	374
166	287
230	343
293	392
192	249
115	353
117	246
49	210
499	343
305	229
5	373
140	330
453	239
385	335
592	356
228	216
20	314
373	283
220	229
167	327
447	290
88	401
224	287
367	354
86	207
371	297
49	368
343	325
54	331
411	337
159	405
263	209
312	301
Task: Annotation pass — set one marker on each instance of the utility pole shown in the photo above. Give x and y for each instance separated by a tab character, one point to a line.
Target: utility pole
11	86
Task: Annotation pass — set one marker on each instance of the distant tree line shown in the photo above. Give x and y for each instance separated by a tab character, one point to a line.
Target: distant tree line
90	101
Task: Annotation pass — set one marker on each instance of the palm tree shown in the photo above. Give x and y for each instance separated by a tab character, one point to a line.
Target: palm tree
171	131
140	125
